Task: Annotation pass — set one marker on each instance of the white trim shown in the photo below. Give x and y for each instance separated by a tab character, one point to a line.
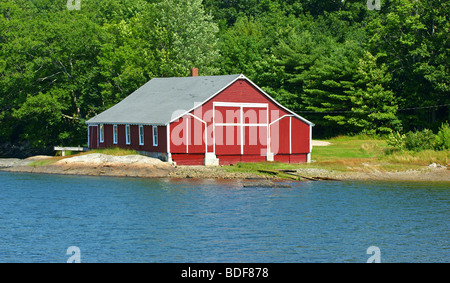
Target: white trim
129	123
98	135
89	134
214	129
239	125
290	135
141	137
206	128
241	105
242	129
115	134
101	128
310	139
187	135
155	140
168	139
268	135
280	119
290	130
127	134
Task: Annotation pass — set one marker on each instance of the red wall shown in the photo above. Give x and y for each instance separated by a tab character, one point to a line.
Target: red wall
187	134
228	139
93	142
134	135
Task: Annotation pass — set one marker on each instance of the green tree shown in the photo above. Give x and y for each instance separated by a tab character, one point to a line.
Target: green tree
414	35
192	36
49	57
374	106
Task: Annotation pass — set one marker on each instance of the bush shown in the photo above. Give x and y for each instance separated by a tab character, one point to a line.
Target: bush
420	140
443	137
396	140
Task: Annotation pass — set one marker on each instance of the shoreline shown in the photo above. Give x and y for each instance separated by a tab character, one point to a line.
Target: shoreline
147	167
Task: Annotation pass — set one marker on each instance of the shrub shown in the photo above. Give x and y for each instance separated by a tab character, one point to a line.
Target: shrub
420	140
396	140
443	137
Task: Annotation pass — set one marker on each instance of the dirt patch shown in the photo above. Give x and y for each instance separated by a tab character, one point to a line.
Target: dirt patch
320	143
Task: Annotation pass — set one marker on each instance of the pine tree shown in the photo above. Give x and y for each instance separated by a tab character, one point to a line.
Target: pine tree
374	106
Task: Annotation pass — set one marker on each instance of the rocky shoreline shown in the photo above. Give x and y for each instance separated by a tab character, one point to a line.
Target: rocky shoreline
146	167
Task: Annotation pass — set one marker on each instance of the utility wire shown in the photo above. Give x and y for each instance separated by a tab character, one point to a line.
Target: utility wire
349	111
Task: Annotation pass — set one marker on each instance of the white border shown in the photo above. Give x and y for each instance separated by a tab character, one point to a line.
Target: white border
141	141
127	134
115	137
153	134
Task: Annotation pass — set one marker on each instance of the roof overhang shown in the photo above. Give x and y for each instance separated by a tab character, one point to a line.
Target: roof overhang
243	77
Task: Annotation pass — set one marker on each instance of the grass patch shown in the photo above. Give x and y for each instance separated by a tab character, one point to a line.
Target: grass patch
424	157
43	162
349	148
355	153
268	166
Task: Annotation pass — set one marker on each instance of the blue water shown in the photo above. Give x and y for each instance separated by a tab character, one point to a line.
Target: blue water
141	220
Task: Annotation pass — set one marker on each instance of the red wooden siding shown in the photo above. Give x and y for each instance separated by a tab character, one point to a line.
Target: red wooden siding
187	136
300	137
291	158
287	146
134	138
240	124
188	158
93	132
228	140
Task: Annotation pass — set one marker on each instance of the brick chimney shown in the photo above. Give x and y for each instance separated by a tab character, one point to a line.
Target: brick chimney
194	72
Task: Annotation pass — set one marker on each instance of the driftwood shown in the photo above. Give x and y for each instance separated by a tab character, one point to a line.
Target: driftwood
269	172
265	185
295	175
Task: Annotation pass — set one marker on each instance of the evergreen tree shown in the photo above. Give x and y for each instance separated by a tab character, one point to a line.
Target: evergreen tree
374	106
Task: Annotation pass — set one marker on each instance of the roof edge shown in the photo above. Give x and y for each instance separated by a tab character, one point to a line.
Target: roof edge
277	103
242	76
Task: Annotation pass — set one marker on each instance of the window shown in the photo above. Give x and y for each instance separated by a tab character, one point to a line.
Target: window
115	134
155	135
102	133
128	134
141	135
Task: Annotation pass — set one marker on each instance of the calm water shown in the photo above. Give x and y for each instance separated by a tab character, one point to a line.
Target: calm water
138	220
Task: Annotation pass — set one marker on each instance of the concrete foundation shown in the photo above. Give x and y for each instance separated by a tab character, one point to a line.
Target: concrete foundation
210	159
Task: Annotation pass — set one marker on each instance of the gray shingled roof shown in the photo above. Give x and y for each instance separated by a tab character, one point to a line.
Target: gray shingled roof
155	102
161	100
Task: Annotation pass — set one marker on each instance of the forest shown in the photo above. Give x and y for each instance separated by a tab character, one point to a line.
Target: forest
346	65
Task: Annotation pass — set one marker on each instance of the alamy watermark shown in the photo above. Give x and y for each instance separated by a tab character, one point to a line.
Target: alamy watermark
75	254
74	5
374	4
376	254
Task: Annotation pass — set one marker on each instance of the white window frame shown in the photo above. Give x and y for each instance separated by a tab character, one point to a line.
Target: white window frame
115	134
141	135
155	135
128	134
102	133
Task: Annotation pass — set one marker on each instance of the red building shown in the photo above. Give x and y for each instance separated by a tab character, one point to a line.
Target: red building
204	120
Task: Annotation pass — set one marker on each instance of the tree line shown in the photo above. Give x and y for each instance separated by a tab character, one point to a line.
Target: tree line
345	67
